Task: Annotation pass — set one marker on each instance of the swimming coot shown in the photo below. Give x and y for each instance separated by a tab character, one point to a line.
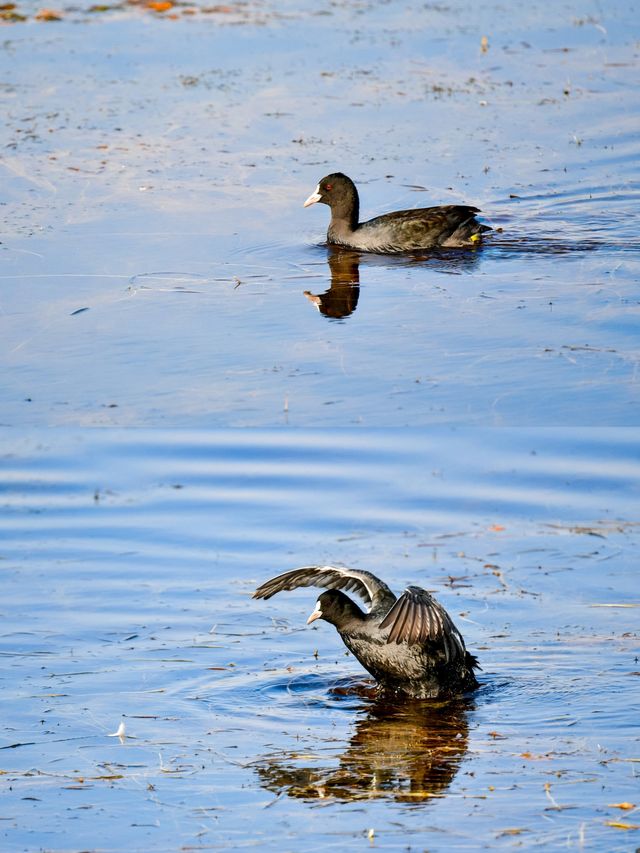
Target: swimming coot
452	225
409	644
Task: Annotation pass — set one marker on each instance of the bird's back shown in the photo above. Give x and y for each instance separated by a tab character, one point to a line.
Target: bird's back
427	227
420	670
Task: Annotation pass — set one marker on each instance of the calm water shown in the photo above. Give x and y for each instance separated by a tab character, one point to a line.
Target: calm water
129	558
156	256
158	275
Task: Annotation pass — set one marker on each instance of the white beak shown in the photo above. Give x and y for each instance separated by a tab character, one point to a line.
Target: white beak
317	613
314	197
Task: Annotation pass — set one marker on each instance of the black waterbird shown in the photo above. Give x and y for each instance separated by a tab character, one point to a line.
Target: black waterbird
408	644
451	225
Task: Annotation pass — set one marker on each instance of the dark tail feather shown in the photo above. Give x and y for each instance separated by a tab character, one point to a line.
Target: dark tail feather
472	661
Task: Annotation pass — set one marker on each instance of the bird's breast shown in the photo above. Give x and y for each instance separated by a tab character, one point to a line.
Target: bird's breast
387	661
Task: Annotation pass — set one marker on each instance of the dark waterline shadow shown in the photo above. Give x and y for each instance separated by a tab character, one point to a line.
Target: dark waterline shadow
522	246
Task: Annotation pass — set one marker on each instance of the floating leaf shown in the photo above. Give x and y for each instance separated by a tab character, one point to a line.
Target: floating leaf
620	824
48	15
622	806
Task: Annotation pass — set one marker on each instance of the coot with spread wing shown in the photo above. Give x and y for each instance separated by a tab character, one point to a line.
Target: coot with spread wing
408	644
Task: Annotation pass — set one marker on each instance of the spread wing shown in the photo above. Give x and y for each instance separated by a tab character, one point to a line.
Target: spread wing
368	587
417	617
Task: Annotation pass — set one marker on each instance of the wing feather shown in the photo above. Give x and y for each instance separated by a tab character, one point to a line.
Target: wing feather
416	626
398	629
364	584
416	617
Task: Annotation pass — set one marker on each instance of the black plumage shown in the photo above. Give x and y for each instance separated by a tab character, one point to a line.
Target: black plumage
409	644
451	225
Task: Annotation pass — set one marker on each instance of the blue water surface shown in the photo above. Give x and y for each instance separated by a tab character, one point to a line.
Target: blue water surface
128	562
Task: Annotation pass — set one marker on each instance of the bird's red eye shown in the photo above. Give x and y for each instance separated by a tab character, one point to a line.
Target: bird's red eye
328	187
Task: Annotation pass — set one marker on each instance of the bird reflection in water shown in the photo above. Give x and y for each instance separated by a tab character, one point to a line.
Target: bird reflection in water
408	752
342	297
